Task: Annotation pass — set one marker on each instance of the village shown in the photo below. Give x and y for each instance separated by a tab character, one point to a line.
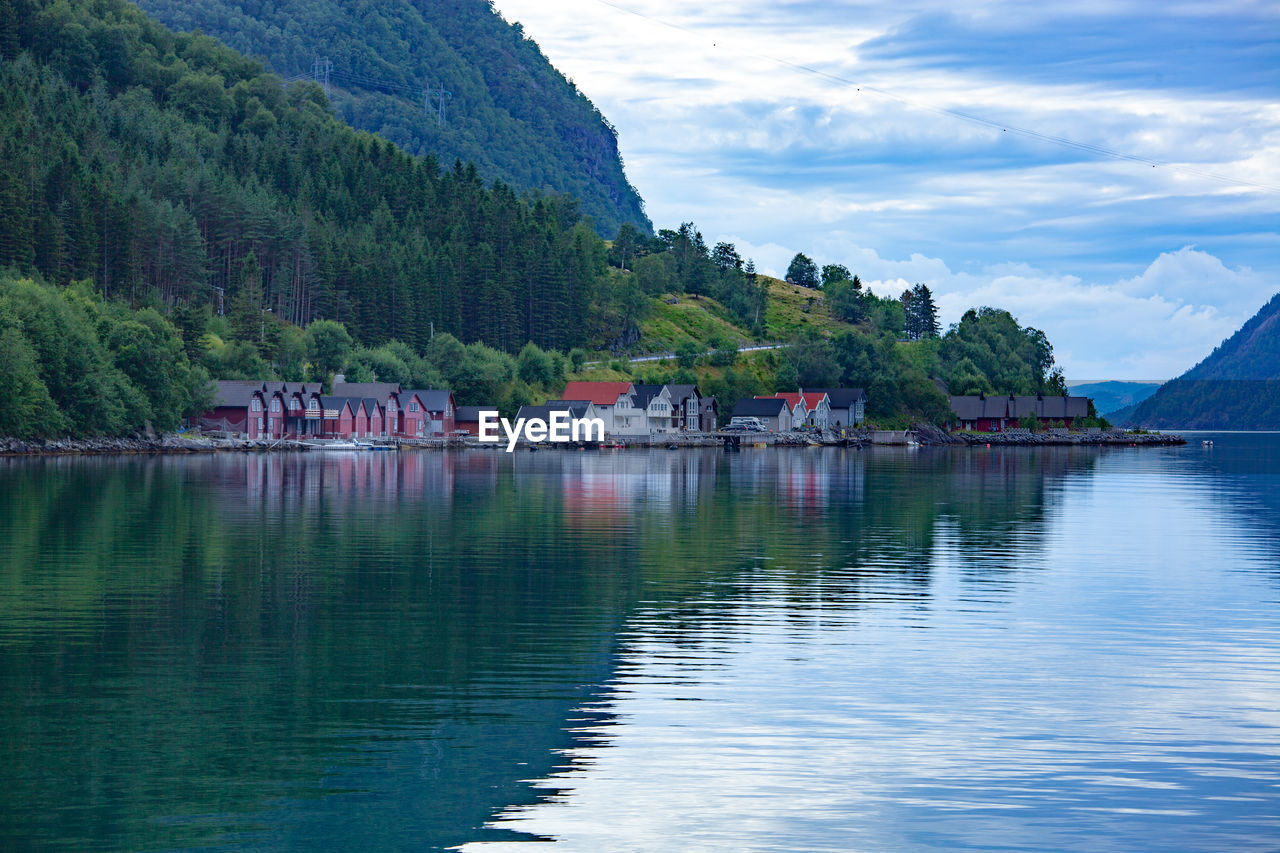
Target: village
632	414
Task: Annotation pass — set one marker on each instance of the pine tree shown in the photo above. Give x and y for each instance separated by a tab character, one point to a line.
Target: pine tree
925	319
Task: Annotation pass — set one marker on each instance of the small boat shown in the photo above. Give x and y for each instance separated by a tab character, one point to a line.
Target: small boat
1206	443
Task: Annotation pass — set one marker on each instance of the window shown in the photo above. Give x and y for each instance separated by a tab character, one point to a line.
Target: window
275	404
313	405
256	405
413	406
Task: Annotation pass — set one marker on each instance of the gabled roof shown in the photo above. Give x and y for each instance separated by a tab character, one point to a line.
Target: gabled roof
303	391
433	400
372	404
576	408
682	392
339	402
813	399
471	413
841	398
971	407
645	393
1052	407
793	398
380	390
761	407
600	393
235	392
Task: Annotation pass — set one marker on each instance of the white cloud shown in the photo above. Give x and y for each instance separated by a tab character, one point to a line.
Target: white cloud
716	130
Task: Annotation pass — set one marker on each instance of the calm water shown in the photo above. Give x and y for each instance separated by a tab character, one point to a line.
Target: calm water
793	649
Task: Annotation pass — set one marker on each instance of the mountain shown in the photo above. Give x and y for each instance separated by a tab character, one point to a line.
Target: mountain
1236	387
508	110
174	172
1113	395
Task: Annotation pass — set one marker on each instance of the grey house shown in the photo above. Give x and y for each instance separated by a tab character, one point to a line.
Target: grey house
848	405
775	412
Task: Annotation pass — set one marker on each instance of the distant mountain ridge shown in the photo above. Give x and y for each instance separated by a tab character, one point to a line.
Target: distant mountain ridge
1114	395
509	110
1236	387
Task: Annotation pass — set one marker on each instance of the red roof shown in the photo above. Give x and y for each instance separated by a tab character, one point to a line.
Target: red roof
600	393
793	398
813	398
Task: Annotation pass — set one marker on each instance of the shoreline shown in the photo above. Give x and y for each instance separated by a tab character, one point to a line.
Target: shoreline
920	436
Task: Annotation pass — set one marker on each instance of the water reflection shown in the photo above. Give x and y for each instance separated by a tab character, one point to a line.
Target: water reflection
332	650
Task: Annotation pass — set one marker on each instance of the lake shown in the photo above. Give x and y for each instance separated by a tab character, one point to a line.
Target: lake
811	649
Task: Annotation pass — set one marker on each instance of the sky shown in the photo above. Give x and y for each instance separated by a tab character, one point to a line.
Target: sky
964	146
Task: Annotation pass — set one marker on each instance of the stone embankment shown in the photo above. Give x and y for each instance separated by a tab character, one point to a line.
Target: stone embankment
1074	439
166	444
922	434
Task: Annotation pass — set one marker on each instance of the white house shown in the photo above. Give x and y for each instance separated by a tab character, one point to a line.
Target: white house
818	407
655	401
848	405
612	403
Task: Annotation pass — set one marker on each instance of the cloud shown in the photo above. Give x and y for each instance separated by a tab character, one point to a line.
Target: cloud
1153	325
830	128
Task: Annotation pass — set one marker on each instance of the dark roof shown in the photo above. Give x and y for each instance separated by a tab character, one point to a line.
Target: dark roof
338	402
840	398
575	408
761	407
974	406
971	407
235	392
645	393
471	413
1056	408
381	390
681	392
708	404
433	400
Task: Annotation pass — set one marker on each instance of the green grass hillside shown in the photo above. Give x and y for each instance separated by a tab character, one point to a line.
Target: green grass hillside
794	310
671	319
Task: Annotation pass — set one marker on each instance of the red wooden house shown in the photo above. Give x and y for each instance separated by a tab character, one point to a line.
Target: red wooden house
981	413
238	408
303	410
426	413
467	418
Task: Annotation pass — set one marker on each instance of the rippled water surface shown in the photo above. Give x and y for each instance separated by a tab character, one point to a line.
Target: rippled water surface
785	649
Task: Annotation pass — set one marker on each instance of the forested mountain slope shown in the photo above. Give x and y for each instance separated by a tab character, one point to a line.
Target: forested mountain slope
508	110
172	170
1236	387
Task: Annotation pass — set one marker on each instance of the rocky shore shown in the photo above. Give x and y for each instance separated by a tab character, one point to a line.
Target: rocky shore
165	444
1077	439
923	434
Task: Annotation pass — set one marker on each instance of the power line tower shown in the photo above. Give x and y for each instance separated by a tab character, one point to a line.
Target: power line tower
439	96
320	68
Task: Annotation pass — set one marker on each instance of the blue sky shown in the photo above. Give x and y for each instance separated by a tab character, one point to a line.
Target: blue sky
1133	271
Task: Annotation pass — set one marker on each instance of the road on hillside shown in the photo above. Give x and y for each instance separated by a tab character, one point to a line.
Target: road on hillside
663	356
